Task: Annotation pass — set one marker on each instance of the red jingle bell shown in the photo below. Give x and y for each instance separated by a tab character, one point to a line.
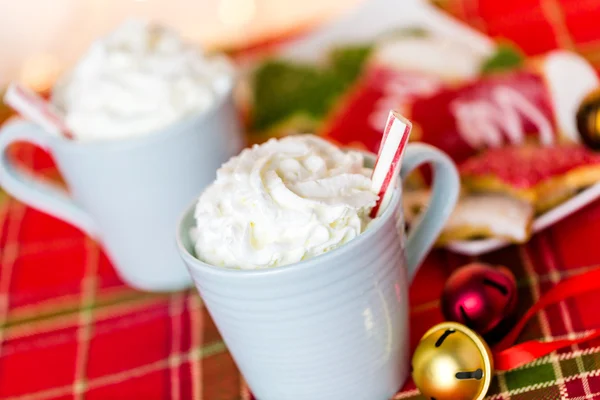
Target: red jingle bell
480	296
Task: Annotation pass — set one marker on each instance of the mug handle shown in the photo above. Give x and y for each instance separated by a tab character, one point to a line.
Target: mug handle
36	192
446	188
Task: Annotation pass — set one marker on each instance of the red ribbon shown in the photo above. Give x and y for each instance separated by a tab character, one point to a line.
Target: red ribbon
506	357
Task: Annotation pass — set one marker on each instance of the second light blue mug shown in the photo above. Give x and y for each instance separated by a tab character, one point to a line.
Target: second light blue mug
128	193
334	327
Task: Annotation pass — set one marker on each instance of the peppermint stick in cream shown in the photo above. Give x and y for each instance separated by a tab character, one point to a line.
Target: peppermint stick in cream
387	165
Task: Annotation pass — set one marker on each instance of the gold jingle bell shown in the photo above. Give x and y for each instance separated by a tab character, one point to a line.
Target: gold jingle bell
588	120
452	362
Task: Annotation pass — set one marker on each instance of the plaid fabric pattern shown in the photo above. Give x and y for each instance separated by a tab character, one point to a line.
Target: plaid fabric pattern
70	328
536	26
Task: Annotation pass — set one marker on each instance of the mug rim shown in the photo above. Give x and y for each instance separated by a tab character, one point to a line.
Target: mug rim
193	262
155	135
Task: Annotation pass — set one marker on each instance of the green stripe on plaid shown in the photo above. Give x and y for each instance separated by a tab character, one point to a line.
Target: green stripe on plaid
207	351
546	393
591	362
539	374
534	389
570	367
73	307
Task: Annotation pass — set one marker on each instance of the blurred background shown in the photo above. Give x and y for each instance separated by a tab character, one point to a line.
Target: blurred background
38	38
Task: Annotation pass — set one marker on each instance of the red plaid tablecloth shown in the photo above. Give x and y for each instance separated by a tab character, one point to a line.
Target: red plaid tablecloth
70	328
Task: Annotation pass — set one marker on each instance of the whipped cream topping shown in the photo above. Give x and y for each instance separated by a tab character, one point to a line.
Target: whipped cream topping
282	202
138	79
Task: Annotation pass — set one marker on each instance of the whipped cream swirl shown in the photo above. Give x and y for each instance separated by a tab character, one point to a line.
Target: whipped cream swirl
282	202
138	79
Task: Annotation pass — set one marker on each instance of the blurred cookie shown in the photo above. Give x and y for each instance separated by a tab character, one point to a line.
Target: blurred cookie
429	53
477	216
542	176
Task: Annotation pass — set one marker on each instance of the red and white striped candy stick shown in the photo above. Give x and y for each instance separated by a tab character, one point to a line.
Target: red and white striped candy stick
34	108
387	165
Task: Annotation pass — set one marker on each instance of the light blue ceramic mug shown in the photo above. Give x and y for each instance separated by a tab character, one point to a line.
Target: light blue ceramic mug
128	193
334	327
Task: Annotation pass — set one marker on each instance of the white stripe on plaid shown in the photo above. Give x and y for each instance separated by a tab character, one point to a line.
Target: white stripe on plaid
244	389
123	376
43	247
563	356
550	261
501	378
84	332
585	375
139	304
562	274
58	307
407	394
542	316
13	217
8	258
197	337
543	385
175	312
421	308
553	12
